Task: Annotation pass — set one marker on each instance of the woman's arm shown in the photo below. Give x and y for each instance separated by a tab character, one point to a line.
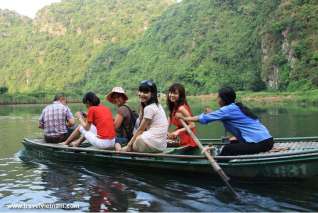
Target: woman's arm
190	118
83	122
186	114
118	120
204	118
142	127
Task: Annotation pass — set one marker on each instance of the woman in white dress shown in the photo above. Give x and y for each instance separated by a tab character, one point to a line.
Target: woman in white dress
153	129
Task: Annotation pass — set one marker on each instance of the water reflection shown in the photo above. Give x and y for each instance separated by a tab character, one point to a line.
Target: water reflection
115	189
90	191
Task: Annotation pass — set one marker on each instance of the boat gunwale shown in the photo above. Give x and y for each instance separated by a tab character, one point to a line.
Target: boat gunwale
277	140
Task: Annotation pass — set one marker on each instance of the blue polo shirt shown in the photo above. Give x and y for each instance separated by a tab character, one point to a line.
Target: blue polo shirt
236	122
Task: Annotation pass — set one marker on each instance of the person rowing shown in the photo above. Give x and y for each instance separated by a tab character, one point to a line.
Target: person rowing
250	135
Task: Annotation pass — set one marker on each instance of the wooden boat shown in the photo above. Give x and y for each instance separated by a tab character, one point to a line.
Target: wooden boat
290	158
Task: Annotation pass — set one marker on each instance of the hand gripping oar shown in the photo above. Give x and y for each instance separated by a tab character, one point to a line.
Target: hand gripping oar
214	164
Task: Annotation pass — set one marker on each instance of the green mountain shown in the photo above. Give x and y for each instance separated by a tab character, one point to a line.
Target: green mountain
14	47
80	45
52	51
249	44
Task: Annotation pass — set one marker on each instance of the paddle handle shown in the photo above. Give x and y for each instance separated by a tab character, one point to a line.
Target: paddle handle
213	163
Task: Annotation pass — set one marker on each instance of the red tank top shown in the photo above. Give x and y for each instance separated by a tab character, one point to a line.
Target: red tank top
185	138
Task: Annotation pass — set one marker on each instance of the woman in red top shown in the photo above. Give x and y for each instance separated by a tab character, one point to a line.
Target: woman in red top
97	127
177	103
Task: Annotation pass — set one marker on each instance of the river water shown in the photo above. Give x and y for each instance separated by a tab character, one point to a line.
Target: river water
31	182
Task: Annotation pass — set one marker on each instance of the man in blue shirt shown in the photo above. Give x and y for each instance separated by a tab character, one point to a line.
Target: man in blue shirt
251	135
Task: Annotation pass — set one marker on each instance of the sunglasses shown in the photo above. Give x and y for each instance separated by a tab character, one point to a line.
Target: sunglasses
147	82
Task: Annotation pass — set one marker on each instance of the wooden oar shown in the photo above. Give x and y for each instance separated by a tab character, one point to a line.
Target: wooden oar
214	164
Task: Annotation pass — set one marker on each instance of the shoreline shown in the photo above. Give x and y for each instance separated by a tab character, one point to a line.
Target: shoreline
264	97
34	103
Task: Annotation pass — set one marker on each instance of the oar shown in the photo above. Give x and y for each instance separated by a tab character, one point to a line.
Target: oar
213	163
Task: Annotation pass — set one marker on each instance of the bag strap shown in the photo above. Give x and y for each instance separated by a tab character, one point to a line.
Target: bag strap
131	127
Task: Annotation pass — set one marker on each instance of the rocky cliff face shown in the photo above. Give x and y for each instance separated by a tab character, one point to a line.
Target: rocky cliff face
289	46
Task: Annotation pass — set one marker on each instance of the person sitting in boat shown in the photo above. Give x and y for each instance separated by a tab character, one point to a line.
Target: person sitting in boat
57	120
152	132
177	103
97	127
125	118
251	136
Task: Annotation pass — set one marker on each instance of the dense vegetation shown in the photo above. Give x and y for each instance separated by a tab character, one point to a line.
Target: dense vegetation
208	43
94	45
52	51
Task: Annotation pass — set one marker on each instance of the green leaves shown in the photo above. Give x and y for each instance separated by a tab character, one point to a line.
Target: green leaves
94	45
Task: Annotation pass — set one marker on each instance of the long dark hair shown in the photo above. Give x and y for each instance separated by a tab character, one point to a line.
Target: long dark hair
91	99
228	96
149	86
176	87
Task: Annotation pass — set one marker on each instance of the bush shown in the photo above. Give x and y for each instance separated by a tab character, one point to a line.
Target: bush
3	90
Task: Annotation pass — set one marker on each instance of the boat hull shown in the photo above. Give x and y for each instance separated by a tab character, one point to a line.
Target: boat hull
304	165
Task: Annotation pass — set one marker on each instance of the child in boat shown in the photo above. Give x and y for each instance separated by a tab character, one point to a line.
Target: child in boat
124	120
177	103
152	132
251	135
97	128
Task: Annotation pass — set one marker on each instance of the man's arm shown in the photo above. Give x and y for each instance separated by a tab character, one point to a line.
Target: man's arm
70	121
41	120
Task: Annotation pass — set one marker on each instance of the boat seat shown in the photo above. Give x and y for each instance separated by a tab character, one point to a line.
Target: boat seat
279	149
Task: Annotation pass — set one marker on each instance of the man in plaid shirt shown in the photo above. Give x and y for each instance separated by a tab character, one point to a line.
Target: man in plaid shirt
56	120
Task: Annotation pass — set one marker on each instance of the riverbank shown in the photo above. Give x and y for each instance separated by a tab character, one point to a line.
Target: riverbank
264	98
251	98
34	98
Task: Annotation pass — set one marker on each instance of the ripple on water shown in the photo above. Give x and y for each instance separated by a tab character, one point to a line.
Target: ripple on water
144	198
37	188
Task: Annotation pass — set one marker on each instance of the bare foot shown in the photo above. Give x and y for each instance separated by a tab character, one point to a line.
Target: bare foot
126	149
63	143
76	143
118	147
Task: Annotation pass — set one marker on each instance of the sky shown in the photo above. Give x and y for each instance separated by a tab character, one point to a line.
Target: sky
25	7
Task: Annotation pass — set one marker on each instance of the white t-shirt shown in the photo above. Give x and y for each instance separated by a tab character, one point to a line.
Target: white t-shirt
156	135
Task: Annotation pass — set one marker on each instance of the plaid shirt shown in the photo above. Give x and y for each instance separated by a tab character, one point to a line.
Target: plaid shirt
54	117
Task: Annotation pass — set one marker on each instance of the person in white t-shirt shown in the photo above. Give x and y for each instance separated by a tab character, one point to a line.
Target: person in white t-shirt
153	129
